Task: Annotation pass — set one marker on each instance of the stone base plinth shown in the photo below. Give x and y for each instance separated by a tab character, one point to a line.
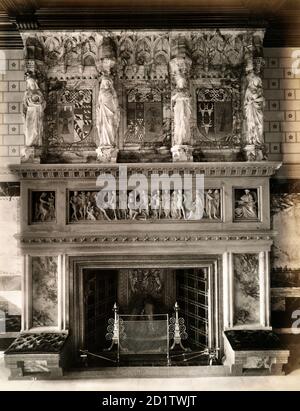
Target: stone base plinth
182	153
255	352
107	154
38	355
254	153
31	155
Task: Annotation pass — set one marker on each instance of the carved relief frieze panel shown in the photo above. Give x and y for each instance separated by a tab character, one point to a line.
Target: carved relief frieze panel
246	204
42	206
88	205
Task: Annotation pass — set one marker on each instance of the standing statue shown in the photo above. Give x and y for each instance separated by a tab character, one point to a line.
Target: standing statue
253	108
33	109
107	117
181	101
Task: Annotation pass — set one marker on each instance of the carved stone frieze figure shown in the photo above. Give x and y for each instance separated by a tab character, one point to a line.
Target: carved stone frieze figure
44	207
212	204
253	108
33	109
181	101
135	205
108	113
246	206
196	207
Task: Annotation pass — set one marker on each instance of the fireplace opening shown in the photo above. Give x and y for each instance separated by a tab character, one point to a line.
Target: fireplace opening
141	296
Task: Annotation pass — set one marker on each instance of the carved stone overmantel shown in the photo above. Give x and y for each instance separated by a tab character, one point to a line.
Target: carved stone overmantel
169	104
187	95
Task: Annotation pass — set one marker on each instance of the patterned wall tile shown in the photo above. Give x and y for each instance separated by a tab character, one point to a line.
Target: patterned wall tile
289	94
274	84
273	105
290	137
13	129
13	86
13	107
13	65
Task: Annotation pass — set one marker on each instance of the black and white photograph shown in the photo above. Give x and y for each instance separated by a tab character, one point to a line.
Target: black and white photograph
149	198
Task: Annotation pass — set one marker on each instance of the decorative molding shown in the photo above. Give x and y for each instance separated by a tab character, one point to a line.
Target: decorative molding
211	169
142	238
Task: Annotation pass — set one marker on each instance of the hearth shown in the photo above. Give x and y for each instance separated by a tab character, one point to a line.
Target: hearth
142	296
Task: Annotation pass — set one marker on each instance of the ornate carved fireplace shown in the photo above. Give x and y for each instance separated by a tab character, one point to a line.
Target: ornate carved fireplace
161	103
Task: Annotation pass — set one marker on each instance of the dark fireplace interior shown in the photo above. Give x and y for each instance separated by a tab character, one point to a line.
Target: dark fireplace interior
147	292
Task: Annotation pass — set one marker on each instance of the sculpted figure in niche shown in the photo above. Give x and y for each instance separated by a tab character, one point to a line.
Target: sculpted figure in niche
212	206
45	207
246	208
108	113
253	106
181	101
33	109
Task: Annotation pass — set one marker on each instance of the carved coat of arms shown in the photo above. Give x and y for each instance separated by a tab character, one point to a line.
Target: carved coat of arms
74	115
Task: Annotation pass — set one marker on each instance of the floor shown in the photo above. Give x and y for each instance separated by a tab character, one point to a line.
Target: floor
289	382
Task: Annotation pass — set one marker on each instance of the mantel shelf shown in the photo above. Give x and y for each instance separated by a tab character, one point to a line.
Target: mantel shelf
211	169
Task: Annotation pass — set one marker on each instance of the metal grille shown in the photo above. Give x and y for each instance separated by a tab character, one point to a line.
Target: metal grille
139	334
100	295
192	289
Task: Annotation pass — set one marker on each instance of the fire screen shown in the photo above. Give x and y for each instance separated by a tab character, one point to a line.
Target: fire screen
144	334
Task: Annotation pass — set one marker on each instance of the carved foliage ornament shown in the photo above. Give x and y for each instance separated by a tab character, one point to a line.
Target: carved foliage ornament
144	54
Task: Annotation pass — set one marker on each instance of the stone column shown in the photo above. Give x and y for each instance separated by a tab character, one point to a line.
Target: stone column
181	103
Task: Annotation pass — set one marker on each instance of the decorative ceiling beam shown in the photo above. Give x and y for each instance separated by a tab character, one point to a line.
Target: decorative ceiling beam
25	15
